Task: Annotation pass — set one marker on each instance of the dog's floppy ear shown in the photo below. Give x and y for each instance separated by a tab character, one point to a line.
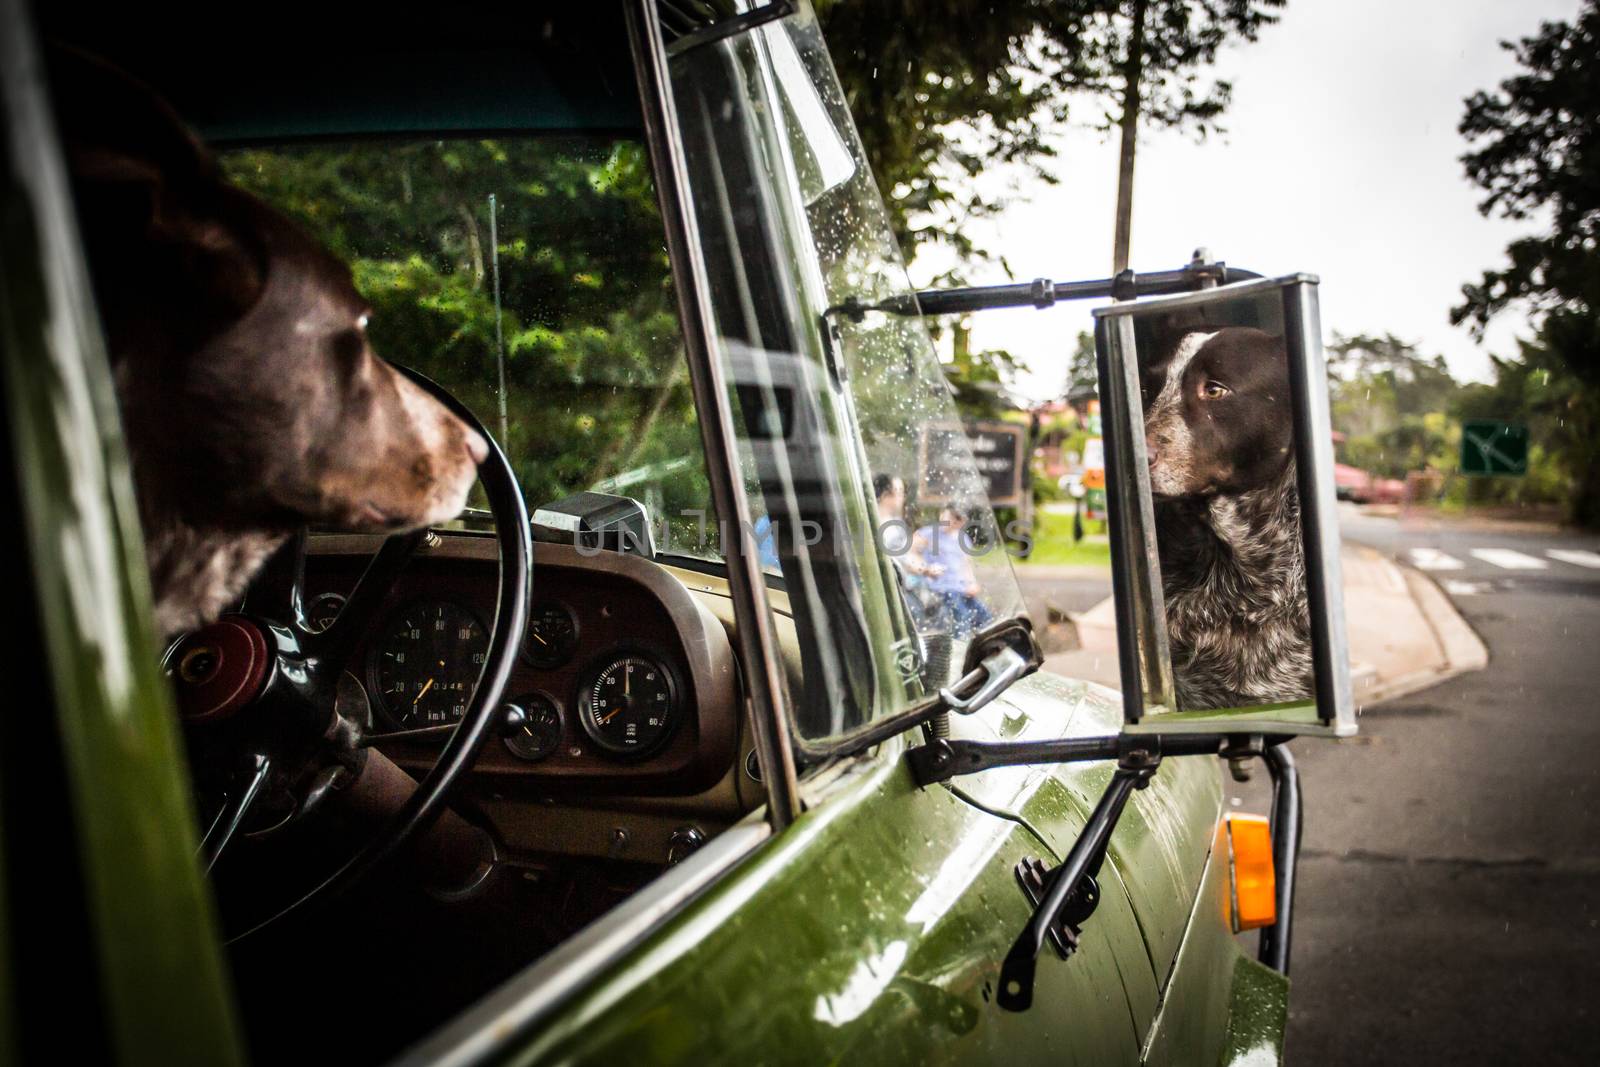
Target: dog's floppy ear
154	207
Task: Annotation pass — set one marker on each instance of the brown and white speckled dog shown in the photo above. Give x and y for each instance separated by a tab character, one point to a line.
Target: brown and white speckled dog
252	402
1219	430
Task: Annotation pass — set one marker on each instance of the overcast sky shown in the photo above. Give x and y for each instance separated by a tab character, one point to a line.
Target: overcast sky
1340	159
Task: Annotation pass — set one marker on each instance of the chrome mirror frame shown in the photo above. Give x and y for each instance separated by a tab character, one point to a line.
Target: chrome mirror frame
1148	693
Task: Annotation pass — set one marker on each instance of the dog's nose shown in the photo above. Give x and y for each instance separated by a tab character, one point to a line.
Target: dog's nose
477	446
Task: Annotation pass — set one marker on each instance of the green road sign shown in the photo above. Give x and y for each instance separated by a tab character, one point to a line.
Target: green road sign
1489	446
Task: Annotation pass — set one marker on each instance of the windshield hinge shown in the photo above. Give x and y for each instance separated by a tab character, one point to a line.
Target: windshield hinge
998	656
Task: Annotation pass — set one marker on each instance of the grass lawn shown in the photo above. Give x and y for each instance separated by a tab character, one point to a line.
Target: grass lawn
1052	543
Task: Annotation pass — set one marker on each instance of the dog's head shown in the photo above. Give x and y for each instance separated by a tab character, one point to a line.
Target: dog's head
1216	413
251	397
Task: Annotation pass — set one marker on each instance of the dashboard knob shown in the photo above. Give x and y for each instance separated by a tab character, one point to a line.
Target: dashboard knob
512	718
683	843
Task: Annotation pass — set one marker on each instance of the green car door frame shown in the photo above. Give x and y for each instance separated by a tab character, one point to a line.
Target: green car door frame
105	904
859	916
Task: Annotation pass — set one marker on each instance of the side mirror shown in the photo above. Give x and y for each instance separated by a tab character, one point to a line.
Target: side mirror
1224	537
1225	557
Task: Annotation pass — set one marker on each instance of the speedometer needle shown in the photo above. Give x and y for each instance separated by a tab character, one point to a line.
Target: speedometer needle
422	693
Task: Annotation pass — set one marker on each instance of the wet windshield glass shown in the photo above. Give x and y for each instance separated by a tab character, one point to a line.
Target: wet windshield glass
935	524
534	261
859	476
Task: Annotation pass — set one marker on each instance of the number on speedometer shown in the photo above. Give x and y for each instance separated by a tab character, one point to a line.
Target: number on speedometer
426	665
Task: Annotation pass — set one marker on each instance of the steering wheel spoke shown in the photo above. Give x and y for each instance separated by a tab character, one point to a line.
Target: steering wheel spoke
278	591
336	644
235	809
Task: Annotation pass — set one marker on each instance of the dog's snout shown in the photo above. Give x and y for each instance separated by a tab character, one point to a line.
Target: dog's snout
1152	453
477	447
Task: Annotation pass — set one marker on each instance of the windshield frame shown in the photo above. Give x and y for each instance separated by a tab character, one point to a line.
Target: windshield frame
780	232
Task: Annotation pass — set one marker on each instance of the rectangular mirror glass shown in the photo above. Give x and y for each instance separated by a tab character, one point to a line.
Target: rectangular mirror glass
1225	543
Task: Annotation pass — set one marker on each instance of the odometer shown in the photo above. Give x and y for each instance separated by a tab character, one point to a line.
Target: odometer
426	664
629	706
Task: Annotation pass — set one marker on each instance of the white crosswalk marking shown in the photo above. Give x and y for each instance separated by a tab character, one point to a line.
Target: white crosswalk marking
1511	561
1456	587
1431	559
1575	555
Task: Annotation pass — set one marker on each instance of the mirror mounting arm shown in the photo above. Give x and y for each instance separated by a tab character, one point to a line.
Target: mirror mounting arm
1044	293
944	758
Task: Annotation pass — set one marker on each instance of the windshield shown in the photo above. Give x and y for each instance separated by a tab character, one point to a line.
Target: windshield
528	276
935	525
857	468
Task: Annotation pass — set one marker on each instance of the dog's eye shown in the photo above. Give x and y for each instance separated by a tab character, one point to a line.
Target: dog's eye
361	323
1214	390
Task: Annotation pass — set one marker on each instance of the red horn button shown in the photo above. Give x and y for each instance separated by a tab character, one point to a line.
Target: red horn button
218	670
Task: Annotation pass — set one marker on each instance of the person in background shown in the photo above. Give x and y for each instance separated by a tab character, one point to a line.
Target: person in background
766	543
893	533
943	557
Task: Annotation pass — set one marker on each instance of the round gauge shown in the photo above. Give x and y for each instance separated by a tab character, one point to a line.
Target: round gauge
552	634
323	610
629	705
426	664
539	733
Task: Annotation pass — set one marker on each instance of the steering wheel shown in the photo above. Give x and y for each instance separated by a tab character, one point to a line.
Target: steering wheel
257	692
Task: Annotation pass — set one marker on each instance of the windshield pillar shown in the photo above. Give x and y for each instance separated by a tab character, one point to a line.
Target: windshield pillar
763	675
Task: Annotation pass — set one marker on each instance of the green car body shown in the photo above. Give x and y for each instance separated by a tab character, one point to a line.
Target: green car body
867	930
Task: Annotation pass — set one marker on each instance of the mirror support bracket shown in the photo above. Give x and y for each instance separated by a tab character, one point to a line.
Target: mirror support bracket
1135	767
1060	895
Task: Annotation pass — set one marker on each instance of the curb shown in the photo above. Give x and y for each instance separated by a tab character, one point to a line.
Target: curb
1459	648
1462	648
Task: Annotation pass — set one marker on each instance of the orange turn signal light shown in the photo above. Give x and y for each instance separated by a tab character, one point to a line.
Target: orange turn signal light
1255	886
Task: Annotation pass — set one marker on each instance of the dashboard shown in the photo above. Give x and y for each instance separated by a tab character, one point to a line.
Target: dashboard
625	676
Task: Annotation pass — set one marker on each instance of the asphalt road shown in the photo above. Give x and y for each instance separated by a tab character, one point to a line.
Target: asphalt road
1449	901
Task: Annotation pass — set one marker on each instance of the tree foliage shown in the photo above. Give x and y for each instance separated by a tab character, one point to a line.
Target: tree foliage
1083	368
1536	153
942	98
1393	405
1535	150
593	360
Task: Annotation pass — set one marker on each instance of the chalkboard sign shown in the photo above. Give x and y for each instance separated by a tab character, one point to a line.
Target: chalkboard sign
997	452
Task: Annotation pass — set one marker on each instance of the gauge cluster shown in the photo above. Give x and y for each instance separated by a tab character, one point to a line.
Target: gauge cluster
619	667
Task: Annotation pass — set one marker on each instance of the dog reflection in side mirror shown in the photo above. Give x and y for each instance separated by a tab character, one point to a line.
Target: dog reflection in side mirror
1219	432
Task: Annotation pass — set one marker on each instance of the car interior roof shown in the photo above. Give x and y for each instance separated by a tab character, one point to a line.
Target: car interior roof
544	70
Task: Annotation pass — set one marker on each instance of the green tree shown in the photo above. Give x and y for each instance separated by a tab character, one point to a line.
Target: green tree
1535	150
1083	370
589	322
1563	417
1391	403
942	97
979	378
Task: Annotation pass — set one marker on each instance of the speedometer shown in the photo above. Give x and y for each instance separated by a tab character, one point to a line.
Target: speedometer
426	664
